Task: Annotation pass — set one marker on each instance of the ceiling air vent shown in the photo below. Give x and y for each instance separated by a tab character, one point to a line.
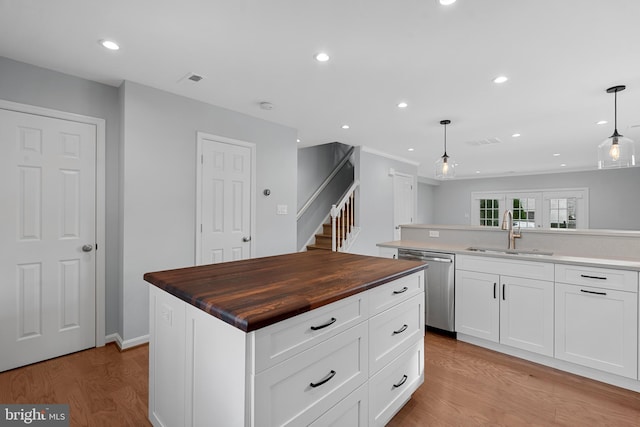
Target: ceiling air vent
191	78
485	141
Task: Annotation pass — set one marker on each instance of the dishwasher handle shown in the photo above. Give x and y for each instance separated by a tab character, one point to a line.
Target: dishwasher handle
426	258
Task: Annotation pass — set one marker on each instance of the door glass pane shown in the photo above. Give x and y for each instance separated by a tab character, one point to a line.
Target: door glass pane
562	213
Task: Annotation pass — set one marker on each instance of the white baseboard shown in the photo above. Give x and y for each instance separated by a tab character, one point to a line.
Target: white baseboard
126	344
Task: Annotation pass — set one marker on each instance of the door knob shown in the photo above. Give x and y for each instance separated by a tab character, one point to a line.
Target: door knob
246	239
87	248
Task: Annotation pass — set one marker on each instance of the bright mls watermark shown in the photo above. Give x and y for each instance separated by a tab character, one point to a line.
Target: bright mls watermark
34	415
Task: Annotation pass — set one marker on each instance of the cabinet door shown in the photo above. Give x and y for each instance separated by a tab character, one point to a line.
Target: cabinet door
597	328
477	304
526	314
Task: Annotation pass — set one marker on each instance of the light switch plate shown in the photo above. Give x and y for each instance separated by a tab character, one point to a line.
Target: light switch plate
434	233
282	210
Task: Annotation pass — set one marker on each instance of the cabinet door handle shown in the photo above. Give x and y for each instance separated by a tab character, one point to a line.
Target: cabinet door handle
592	292
329	323
405	289
401	330
402	381
586	276
503	292
494	289
327	378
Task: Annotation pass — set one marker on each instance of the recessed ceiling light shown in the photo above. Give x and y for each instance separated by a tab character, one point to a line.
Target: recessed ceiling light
563	164
322	57
556	154
447	2
345	126
602	122
515	135
500	79
403	105
411	149
477	171
109	44
298	140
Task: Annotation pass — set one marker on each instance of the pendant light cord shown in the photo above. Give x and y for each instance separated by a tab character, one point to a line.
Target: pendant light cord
445	139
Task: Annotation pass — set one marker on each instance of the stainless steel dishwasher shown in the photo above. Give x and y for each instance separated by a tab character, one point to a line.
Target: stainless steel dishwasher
440	289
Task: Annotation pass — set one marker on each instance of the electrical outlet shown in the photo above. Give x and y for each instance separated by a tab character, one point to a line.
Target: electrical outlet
282	210
434	233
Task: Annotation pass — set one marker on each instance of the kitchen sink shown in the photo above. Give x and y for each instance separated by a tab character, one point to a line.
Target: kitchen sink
509	251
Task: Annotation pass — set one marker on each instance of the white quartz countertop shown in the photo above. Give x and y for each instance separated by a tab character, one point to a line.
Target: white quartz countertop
556	258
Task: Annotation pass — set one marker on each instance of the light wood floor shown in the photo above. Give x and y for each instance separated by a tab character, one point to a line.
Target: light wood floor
465	386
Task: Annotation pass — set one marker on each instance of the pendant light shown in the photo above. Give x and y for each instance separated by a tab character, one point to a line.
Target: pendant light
445	167
616	151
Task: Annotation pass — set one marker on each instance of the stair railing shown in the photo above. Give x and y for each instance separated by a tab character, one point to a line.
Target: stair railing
326	182
343	220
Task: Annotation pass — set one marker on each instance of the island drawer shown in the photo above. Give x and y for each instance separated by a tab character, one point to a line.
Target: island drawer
606	278
278	342
391	332
390	388
307	385
392	293
352	411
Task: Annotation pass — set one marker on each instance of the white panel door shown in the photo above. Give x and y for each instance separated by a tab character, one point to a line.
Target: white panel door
477	304
403	202
48	214
526	314
225	185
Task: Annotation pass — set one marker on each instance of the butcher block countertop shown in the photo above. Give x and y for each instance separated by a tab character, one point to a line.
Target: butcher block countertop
254	293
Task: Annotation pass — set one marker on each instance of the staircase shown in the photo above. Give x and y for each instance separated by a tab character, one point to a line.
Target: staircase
323	241
339	234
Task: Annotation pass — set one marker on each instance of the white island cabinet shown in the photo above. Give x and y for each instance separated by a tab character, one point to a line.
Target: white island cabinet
353	362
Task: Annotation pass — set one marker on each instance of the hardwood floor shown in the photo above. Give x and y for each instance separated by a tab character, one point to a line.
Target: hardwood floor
103	386
465	385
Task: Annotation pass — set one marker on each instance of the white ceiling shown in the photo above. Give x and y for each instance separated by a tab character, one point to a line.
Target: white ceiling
560	57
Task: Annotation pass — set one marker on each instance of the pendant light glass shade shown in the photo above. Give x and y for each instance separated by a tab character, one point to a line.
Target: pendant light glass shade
616	151
445	166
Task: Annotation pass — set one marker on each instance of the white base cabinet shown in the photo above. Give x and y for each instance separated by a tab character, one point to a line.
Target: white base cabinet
495	304
354	362
597	319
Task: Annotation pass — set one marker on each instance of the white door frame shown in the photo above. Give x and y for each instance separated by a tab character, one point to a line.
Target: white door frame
200	136
415	197
100	253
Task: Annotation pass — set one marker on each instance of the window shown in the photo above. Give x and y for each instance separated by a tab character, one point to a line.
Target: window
562	213
559	209
489	212
525	207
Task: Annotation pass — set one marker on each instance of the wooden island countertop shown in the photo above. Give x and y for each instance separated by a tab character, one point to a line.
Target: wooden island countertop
254	293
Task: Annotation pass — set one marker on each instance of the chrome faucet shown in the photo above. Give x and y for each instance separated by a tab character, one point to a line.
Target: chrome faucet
507	224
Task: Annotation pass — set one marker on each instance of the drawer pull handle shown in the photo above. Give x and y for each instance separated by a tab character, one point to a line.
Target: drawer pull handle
328	377
586	276
401	330
405	289
494	290
593	292
329	323
402	381
503	292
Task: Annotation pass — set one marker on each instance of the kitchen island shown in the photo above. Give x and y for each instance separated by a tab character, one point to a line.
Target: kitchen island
309	338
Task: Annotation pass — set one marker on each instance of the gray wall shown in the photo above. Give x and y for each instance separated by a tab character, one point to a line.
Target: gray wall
425	203
150	176
315	164
375	207
613	195
27	84
158	181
